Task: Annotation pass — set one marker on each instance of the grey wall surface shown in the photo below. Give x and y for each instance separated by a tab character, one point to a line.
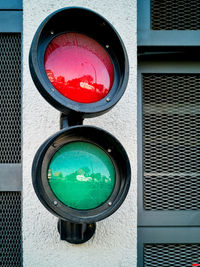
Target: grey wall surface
114	243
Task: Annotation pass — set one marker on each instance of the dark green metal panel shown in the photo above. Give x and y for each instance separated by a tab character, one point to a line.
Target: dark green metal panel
149	37
10	177
168	246
10	21
10	132
11	4
165	228
164	216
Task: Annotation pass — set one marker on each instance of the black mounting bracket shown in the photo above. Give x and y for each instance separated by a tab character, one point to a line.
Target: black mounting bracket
75	233
70	120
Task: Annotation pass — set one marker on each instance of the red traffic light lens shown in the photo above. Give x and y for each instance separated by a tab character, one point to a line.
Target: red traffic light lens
79	67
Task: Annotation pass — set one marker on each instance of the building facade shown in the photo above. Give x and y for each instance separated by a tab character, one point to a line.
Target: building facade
157	121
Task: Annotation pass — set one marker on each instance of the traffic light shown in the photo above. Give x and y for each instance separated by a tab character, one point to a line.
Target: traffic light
82	173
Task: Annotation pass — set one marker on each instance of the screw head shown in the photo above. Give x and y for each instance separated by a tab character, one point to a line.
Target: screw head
55	203
108	99
53	145
109	203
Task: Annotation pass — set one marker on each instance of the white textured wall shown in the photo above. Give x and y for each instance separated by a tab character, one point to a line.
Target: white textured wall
114	243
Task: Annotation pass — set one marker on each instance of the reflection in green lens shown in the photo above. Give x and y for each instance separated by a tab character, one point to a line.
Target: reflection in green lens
81	175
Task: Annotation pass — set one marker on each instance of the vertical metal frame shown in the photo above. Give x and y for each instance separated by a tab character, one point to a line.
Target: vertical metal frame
162	227
165	235
149	37
11	22
161	218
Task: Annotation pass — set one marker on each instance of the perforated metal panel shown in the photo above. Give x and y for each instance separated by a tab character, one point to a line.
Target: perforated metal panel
10	98
10	229
172	255
175	14
171	141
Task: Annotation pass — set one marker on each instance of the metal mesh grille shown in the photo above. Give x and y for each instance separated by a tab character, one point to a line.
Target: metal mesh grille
10	98
10	229
175	14
171	140
166	255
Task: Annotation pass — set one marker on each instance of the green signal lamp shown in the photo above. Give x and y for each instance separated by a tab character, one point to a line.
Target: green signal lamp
82	175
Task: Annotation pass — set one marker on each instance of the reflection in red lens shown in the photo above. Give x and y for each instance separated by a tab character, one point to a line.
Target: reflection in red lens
78	67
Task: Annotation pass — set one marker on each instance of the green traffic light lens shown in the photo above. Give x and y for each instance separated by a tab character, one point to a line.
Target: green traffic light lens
81	175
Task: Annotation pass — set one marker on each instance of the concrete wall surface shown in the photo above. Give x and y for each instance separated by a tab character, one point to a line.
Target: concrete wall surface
114	243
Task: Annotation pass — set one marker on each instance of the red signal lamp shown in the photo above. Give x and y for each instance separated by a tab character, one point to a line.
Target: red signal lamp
78	67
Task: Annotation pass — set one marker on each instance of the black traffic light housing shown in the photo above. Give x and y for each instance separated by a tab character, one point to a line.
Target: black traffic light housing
90	23
78	226
107	143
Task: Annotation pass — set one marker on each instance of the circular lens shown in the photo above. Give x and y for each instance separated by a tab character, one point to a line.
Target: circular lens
81	175
79	67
